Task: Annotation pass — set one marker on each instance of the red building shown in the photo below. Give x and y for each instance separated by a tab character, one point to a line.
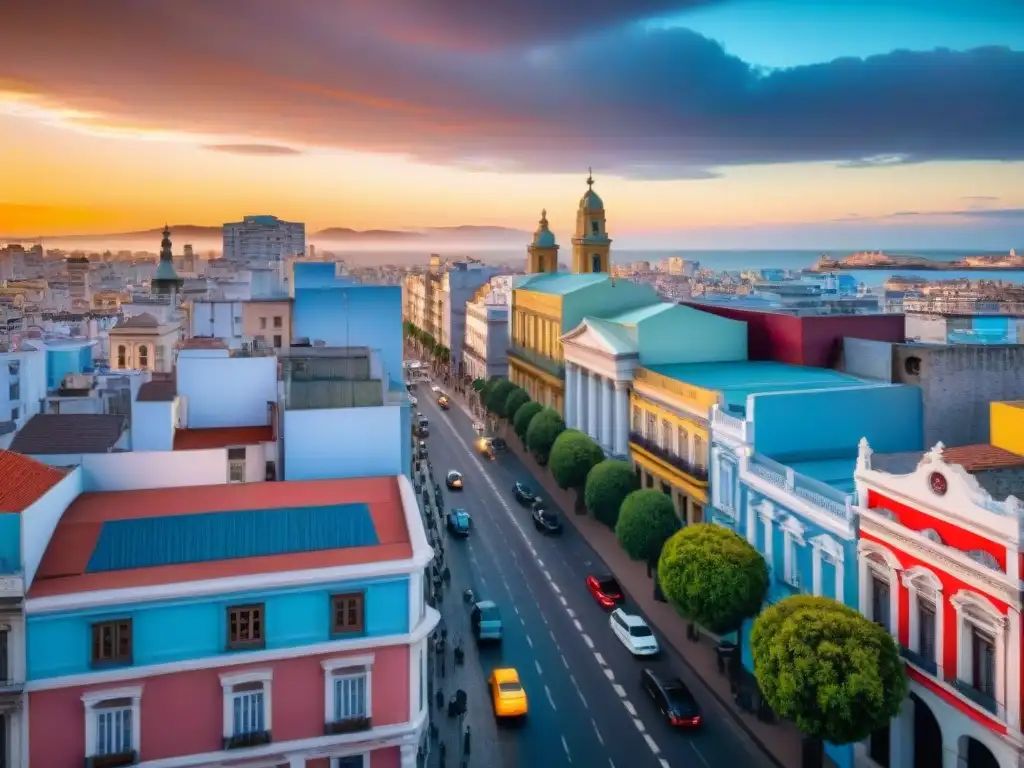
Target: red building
815	340
939	562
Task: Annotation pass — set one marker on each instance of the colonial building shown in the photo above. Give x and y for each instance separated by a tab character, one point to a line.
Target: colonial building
940	567
143	343
485	347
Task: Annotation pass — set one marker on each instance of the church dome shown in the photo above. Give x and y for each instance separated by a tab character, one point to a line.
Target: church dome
591	201
544	237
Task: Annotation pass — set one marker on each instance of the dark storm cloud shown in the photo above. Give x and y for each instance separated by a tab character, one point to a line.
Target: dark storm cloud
655	104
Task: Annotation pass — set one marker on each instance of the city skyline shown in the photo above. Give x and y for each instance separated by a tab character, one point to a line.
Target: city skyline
751	123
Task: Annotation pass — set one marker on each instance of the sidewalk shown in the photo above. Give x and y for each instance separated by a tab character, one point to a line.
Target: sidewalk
781	741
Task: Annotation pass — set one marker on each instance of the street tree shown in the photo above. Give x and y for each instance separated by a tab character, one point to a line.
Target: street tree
495	402
573	455
521	421
478	384
544	429
490	384
608	485
516	399
646	521
713	576
826	667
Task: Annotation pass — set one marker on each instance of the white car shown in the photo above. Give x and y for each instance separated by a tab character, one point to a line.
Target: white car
634	633
413	400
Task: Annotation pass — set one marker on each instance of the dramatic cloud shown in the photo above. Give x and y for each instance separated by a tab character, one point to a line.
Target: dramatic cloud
266	150
478	86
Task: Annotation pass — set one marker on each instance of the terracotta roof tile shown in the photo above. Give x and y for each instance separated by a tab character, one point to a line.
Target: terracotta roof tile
203	342
975	458
55	433
157	392
23	481
221	437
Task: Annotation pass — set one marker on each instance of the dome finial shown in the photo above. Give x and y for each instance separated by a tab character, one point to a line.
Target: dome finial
544	215
590	177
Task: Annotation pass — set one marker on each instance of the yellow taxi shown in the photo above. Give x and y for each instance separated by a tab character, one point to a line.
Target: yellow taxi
507	693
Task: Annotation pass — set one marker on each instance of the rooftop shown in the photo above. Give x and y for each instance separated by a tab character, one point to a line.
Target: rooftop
634	316
48	434
23	481
143	320
561	283
221	437
203	342
736	380
116	540
157	392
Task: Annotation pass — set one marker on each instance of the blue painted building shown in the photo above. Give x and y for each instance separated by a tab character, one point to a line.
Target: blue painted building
782	477
67	356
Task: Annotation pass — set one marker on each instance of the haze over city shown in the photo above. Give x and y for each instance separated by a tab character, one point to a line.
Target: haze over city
730	124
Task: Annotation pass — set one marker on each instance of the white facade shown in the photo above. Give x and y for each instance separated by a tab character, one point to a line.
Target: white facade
223	391
485	346
143	343
22	384
219	320
263	239
598	376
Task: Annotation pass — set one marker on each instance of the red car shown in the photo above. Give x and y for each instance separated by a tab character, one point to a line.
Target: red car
606	590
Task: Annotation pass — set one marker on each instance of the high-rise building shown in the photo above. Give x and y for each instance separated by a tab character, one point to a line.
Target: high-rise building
263	238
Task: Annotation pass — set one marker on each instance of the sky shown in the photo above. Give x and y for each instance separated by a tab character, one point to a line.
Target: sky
708	123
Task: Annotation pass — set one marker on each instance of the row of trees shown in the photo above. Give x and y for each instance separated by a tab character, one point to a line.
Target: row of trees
430	345
818	663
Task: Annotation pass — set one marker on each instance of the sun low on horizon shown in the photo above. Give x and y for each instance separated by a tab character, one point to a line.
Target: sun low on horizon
708	123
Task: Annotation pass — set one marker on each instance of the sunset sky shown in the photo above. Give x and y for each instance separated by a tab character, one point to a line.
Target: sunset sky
714	123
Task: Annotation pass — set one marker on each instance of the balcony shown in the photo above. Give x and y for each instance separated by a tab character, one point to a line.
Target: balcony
733	426
246	740
697	473
919	661
545	363
984	700
819	494
348	725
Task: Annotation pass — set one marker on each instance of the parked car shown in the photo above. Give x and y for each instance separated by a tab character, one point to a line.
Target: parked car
605	589
546	520
523	493
421	450
454	481
634	633
459	523
672	698
486	621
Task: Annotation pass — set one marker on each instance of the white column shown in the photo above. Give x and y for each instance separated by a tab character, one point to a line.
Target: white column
297	762
621	419
1013	671
581	399
607	427
571	372
408	756
592	395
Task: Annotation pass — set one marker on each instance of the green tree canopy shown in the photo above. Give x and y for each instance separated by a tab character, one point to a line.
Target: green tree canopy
573	455
490	384
521	421
495	402
516	399
646	521
478	384
544	429
713	576
827	668
608	485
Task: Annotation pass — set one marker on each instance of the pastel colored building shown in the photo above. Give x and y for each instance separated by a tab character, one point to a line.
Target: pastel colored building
231	625
939	566
782	477
67	357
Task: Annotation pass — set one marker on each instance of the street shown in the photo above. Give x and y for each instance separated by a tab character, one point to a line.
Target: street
586	707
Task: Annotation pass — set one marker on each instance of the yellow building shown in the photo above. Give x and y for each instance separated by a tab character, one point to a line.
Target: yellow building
546	303
1006	426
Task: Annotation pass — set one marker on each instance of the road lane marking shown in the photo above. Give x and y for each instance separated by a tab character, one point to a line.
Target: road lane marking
539	561
529	641
639	724
565	603
555	586
600	660
588	641
547	575
576	623
609	674
630	708
539	670
664	763
551	699
565	746
650	743
564	662
594	723
555	639
619	691
572	613
702	759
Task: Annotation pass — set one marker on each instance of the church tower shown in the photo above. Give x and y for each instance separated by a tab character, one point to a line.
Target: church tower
166	281
591	247
543	251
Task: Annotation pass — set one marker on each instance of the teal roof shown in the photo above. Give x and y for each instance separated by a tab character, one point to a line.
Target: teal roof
634	316
561	283
179	539
618	338
545	238
165	271
591	201
736	380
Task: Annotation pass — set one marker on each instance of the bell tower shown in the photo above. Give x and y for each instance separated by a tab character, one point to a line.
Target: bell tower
591	246
543	251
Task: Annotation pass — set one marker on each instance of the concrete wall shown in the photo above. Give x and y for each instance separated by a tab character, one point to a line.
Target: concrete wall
31	385
868	359
353	316
226	391
132	470
685	335
958	383
152	427
821	424
39	521
345	442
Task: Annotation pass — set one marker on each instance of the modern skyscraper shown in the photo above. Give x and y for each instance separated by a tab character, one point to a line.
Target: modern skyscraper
263	239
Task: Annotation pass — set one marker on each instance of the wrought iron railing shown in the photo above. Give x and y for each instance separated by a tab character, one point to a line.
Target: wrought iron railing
674	460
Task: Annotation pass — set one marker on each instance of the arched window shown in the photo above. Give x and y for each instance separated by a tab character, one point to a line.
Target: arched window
143	357
122	356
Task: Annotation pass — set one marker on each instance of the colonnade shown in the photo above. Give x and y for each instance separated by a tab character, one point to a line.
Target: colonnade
599	406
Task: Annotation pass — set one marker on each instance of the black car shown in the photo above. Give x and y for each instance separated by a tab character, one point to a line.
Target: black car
454	481
422	426
546	520
672	698
524	494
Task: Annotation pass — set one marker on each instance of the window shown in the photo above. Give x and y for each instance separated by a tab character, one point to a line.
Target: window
700	452
245	627
277	341
652	427
666	434
348	693
637	420
983	662
122	356
726	485
683	443
880	602
236	465
143	357
347	613
14	391
349	761
112	723
247	707
112	642
926	628
278	323
263	323
792	537
595	227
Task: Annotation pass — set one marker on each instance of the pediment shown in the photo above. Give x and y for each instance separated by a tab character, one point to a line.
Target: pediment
602	337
